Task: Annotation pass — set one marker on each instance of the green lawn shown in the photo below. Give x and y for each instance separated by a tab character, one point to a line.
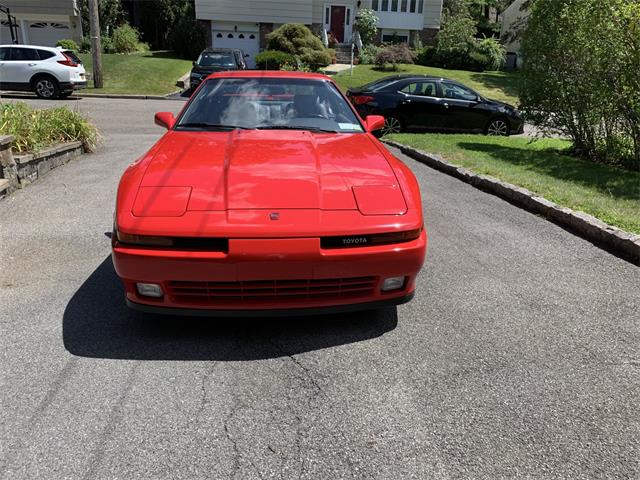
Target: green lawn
500	86
542	166
151	73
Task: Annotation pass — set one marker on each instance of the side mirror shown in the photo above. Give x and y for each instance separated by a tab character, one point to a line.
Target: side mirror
374	122
193	63
165	119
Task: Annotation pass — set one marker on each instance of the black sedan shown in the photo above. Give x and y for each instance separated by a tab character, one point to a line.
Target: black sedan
416	102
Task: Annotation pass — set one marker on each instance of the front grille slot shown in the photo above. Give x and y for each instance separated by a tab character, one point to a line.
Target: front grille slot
269	290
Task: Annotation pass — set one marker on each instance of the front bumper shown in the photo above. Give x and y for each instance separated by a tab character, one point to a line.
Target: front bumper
269	260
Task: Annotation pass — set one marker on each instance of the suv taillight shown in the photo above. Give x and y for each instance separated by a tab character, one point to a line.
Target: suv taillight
361	99
68	61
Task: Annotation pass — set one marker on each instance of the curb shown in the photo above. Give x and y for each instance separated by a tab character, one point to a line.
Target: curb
618	241
130	97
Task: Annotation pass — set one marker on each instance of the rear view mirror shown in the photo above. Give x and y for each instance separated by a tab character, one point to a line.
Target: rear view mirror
165	119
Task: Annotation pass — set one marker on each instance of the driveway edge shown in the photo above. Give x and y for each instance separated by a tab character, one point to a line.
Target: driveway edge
617	241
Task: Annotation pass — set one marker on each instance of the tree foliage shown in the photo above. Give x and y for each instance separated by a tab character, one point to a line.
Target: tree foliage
580	75
298	40
367	25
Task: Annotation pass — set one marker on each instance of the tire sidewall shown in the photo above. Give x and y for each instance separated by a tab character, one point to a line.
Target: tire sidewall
56	88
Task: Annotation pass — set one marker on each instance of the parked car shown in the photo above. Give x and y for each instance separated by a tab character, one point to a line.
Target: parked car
416	102
267	195
213	60
48	72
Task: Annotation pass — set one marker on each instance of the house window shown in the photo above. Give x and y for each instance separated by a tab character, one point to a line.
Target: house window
395	38
413	6
385	5
348	20
252	36
420	5
403	6
230	35
219	35
241	35
326	15
374	4
394	5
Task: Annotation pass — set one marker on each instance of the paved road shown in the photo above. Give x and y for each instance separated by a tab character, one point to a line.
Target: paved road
519	356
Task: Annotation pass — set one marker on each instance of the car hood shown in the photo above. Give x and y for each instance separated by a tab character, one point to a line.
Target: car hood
498	103
262	169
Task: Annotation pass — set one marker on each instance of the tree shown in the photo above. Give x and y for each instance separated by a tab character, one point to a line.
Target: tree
110	12
583	84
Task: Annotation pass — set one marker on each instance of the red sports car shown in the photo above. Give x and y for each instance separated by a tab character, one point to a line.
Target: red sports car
267	195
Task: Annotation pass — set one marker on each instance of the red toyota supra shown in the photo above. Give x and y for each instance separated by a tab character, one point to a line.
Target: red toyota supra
267	195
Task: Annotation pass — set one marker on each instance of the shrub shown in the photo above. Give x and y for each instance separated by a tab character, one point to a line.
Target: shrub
85	45
68	44
274	60
493	51
389	57
107	45
126	39
37	129
368	54
366	25
188	38
298	40
580	76
457	33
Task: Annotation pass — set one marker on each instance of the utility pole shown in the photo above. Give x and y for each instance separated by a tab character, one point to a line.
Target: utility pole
96	46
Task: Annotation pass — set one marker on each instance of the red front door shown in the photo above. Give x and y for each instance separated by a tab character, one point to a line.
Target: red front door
337	22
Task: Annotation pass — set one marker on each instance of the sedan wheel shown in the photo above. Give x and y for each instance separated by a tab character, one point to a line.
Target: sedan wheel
46	88
391	125
498	128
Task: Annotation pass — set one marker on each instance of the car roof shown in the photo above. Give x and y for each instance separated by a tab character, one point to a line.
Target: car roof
211	50
40	47
268	74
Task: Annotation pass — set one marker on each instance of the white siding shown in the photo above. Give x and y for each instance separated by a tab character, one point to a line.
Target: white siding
513	18
432	13
42	7
256	11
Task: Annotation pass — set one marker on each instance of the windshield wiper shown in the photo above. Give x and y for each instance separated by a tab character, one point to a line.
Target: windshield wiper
296	127
212	126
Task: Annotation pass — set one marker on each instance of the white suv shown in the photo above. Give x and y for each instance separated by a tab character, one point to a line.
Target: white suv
49	72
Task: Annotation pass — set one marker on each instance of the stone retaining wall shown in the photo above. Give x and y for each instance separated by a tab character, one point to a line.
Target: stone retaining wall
20	170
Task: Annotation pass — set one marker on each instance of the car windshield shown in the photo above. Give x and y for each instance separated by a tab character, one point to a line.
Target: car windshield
269	103
379	84
217	59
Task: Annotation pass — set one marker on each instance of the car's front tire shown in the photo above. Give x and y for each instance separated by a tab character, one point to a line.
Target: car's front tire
498	127
46	87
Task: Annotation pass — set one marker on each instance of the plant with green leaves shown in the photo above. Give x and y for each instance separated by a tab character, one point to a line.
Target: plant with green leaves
126	39
367	25
36	129
298	40
68	44
582	84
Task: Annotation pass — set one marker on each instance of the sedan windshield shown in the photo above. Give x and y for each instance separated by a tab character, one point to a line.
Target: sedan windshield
269	103
216	59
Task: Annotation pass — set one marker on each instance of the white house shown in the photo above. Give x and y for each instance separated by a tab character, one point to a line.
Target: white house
245	23
42	22
514	20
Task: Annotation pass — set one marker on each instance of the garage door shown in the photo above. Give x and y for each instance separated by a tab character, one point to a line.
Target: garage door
5	33
248	41
48	33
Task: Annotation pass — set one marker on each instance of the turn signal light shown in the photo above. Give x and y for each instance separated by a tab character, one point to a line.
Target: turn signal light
144	240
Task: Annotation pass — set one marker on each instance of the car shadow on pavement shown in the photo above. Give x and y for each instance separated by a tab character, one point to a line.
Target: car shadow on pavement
98	324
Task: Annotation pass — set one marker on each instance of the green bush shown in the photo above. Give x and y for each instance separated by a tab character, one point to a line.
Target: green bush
389	57
85	45
298	40
68	44
580	76
37	129
493	53
274	60
188	38
126	39
368	54
367	25
107	45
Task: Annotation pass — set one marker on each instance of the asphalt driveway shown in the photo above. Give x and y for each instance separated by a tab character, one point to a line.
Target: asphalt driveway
519	356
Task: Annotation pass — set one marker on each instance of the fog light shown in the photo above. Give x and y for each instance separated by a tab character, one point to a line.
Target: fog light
149	289
392	283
